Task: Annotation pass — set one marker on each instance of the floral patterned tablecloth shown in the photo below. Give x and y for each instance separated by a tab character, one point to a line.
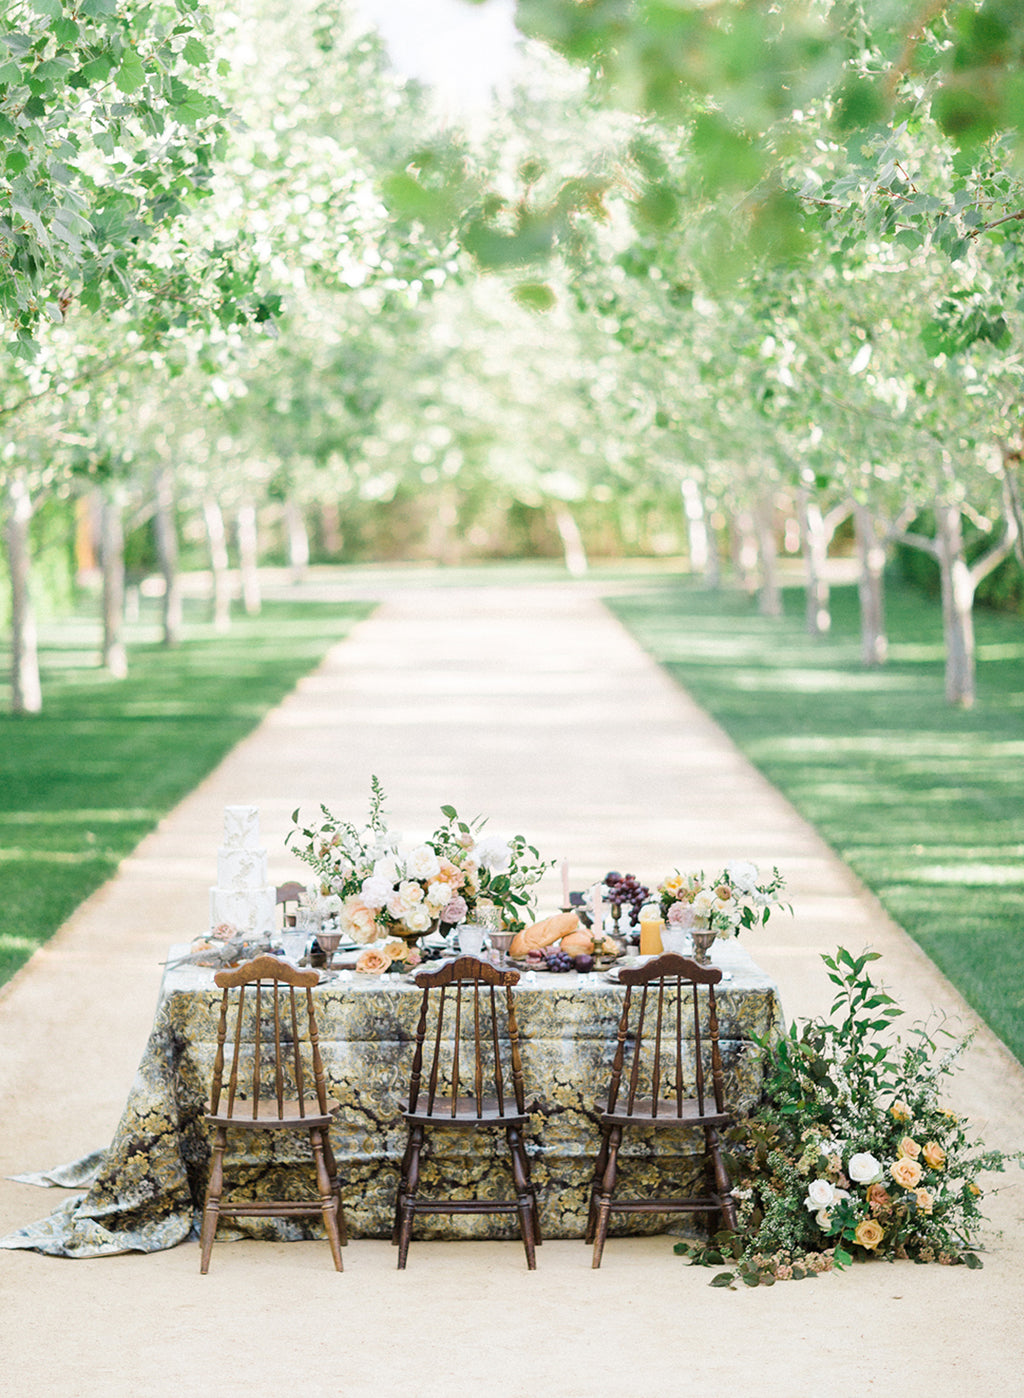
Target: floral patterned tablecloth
144	1193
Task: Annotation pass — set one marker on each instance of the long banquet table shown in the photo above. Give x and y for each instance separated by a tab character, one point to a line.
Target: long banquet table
148	1189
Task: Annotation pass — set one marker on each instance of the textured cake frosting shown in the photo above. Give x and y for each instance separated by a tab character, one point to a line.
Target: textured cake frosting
242	898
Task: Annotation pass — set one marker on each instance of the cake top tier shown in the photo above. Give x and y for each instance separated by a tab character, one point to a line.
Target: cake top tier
241	827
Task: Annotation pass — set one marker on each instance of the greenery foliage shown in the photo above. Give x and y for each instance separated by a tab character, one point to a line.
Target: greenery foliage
86	780
852	1153
925	803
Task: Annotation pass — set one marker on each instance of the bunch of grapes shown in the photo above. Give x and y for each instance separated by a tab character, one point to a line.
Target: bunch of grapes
559	961
626	891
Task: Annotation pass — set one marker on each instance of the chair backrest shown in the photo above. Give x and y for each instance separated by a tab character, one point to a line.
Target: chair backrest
665	1044
268	985
468	1027
288	893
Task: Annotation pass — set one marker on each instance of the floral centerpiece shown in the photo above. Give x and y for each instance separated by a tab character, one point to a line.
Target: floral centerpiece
851	1154
390	896
736	898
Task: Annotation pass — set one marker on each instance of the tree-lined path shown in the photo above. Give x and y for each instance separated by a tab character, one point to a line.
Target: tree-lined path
529	705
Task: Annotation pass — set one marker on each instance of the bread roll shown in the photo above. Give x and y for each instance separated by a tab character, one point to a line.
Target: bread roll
544	934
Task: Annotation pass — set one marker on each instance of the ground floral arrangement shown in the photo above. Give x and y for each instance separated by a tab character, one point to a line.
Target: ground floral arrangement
385	892
851	1154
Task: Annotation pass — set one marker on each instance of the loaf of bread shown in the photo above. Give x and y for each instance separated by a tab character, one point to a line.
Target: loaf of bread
583	943
544	934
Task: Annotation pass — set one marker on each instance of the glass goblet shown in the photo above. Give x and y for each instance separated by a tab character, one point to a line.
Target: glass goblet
329	943
500	942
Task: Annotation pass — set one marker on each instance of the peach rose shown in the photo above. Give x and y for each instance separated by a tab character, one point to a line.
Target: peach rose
396	950
909	1147
906	1172
868	1233
373	962
359	921
925	1201
933	1155
879	1198
901	1112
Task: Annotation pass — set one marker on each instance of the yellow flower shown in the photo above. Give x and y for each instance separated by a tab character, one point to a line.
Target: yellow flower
868	1233
901	1112
933	1155
906	1172
974	1190
924	1201
909	1147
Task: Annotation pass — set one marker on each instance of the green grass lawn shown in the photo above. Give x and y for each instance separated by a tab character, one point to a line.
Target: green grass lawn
924	801
82	782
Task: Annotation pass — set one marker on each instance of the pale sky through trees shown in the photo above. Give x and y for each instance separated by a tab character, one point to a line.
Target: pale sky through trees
463	50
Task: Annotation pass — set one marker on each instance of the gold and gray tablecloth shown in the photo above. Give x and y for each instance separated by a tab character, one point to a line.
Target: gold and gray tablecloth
145	1192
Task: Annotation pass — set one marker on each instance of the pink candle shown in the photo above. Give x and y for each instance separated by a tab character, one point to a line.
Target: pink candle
565	883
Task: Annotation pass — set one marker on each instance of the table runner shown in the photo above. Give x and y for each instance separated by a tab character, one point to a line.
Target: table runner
147	1192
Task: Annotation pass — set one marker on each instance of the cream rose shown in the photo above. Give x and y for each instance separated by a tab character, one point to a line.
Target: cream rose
868	1233
900	1111
418	919
820	1194
423	863
909	1147
933	1155
439	894
374	961
906	1172
925	1201
864	1168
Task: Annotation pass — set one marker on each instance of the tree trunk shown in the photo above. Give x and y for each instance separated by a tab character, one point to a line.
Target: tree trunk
298	540
874	644
330	529
770	594
26	690
958	589
115	656
572	540
219	564
745	550
814	541
696	526
167	551
248	558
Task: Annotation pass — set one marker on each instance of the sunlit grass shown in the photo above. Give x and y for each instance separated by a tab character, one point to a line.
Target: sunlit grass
923	800
83	782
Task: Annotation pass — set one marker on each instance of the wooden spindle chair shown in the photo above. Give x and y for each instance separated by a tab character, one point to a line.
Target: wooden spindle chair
670	981
482	1090
258	1097
288	895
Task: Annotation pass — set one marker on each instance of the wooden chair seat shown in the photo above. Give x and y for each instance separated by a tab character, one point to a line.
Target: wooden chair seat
674	979
642	1114
467	1056
266	986
292	1113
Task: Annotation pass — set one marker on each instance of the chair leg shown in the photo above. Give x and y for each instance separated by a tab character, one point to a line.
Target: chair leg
608	1178
332	1170
723	1184
595	1185
526	1203
408	1200
396	1231
211	1204
328	1203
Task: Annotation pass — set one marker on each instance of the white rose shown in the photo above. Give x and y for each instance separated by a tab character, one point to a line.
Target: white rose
376	891
422	863
386	868
493	854
742	876
820	1194
418	919
864	1168
703	903
439	894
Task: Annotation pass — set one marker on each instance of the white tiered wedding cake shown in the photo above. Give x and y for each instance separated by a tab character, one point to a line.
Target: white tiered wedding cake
242	898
